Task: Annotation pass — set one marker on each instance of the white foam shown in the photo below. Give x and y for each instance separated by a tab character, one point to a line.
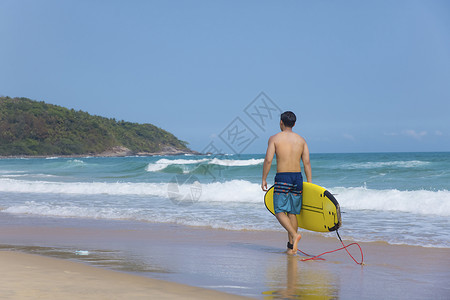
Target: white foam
384	164
163	163
229	191
29	175
236	162
422	202
50	209
11	172
84	188
418	202
232	191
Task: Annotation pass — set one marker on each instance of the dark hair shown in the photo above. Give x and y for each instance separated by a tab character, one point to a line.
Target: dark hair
288	118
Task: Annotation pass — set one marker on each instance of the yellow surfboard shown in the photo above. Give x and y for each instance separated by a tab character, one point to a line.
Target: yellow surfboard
320	210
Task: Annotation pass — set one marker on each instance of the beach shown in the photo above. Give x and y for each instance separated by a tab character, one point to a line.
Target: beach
38	277
74	258
200	221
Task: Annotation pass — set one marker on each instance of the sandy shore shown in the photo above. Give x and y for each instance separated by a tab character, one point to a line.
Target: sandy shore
27	276
244	263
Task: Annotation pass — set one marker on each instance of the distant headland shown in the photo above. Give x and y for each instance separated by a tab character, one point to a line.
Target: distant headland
31	128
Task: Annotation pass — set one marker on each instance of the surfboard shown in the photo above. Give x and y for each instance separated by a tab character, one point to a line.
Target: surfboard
320	210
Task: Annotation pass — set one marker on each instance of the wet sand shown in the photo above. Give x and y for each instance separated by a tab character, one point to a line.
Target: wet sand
28	276
245	263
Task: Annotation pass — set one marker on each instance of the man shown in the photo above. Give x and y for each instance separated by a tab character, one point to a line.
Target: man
289	148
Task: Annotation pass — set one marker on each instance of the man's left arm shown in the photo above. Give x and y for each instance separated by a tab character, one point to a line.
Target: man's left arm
306	163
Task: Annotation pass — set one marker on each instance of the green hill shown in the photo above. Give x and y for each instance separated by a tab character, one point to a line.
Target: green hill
35	128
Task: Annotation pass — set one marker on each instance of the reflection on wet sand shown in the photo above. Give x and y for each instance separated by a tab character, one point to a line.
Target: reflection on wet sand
300	280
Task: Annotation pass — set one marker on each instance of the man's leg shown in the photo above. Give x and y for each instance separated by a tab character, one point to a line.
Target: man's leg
285	221
293	220
294	223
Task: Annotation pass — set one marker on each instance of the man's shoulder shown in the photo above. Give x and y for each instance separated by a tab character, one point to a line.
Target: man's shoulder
276	135
299	136
286	137
295	135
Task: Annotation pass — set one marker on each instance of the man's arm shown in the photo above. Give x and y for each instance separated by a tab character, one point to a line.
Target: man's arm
267	163
306	163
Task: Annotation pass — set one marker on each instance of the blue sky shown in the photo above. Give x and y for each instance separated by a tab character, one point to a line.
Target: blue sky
362	76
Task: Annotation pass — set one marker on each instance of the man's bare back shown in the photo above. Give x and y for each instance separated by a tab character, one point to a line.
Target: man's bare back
289	148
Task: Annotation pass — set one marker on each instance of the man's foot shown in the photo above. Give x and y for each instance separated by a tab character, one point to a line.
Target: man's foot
295	245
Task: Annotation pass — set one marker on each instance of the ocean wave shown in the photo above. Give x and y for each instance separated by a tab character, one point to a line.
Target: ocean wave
164	163
229	219
422	202
387	164
368	226
236	162
29	175
11	172
52	210
75	163
83	188
211	192
232	191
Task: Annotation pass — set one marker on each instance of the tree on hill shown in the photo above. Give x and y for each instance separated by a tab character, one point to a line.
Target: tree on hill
30	127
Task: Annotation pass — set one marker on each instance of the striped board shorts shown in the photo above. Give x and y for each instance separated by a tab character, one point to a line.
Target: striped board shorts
287	196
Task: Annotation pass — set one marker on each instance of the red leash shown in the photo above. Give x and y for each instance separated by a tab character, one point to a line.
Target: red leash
317	257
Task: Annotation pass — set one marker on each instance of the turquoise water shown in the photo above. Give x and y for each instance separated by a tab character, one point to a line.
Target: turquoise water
400	198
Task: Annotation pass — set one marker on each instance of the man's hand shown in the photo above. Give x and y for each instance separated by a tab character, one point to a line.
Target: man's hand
264	185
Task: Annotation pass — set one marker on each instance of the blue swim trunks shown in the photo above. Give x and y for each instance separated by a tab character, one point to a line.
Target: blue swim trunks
287	196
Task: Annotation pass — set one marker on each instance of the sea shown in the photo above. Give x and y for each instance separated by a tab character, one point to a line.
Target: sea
397	198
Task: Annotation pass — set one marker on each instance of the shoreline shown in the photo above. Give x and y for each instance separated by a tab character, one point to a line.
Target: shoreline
244	263
138	154
178	153
116	151
31	276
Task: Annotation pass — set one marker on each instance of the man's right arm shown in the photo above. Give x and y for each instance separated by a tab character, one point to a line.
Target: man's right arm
268	162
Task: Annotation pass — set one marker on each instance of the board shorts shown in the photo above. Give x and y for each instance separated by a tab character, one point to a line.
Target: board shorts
287	195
